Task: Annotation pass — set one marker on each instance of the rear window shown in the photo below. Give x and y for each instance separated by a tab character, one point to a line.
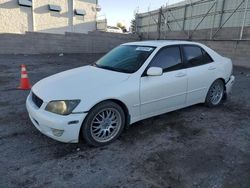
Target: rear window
196	56
207	58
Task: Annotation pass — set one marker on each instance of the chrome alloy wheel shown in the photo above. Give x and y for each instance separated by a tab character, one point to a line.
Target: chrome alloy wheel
106	124
216	93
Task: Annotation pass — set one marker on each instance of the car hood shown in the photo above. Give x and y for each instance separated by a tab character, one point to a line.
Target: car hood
76	83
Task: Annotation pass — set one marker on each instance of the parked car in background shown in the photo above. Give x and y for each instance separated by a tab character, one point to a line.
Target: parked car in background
133	82
114	29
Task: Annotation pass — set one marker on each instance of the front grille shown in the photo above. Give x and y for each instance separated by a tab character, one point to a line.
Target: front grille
38	102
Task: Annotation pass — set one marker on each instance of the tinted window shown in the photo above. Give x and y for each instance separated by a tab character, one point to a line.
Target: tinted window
206	57
125	58
168	58
195	56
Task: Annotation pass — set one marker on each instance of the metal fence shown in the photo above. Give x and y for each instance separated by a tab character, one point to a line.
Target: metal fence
191	16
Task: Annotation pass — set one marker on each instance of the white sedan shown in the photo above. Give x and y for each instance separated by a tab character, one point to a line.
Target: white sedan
133	82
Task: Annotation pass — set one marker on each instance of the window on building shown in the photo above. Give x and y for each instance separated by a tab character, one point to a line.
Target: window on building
80	12
55	8
25	3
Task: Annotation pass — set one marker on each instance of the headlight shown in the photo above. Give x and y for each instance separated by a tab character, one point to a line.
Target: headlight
62	107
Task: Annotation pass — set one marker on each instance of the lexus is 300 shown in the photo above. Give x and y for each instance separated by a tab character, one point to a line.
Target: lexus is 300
132	82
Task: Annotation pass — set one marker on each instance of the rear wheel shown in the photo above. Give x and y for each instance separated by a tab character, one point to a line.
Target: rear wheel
104	123
215	93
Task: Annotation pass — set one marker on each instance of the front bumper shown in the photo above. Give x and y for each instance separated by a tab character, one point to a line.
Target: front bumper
229	84
61	128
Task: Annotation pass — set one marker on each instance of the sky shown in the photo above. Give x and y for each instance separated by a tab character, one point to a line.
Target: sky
123	10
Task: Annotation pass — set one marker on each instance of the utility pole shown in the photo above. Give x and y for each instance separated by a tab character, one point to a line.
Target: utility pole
190	22
213	20
149	20
33	16
244	20
71	14
159	24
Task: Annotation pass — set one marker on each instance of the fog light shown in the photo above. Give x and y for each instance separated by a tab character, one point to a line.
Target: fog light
57	132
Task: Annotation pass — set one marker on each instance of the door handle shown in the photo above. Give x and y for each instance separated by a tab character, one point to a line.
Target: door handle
211	68
180	74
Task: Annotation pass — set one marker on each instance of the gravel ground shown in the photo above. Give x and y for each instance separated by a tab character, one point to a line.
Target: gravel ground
192	147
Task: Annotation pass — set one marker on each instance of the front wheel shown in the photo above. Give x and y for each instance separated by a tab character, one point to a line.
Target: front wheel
104	123
215	93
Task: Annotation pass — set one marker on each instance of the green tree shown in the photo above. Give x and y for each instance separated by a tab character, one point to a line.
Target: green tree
123	27
133	25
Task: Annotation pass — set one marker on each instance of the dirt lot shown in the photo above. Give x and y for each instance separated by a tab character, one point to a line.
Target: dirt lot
193	147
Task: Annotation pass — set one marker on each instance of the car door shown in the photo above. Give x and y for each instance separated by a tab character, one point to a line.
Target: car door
200	71
160	94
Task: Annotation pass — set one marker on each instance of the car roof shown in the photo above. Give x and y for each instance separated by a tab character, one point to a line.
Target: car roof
160	43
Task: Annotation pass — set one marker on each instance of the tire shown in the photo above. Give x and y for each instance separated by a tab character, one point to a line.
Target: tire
215	94
103	124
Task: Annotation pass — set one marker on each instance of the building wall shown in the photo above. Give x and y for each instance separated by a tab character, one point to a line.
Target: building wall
19	19
13	18
87	22
51	21
102	25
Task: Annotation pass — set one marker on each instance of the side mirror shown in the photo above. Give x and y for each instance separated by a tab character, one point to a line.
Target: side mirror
154	71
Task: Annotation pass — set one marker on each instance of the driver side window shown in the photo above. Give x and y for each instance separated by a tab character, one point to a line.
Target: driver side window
168	58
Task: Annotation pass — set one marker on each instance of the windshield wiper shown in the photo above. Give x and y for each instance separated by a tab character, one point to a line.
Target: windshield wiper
111	68
94	64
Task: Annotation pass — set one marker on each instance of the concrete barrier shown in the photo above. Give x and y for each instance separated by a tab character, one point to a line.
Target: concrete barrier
102	42
238	51
43	43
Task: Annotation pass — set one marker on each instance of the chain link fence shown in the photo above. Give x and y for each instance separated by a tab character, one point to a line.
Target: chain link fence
197	19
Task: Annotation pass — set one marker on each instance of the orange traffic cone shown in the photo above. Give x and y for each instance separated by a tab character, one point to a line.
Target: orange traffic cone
24	82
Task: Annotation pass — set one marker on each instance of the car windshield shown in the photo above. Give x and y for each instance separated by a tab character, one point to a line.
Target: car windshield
125	58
